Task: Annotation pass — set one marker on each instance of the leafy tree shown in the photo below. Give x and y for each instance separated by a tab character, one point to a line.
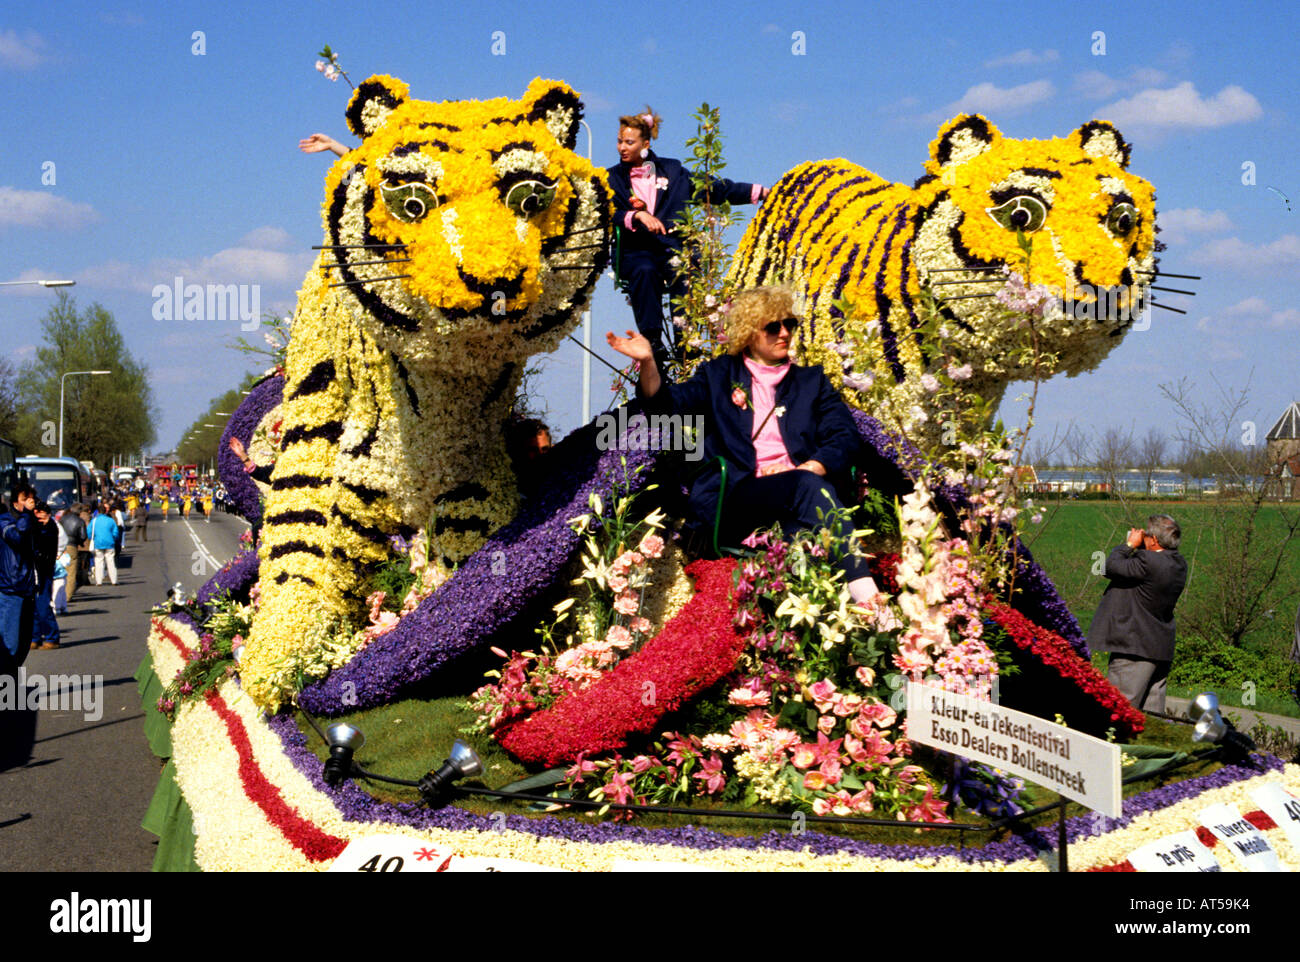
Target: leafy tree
102	415
9	401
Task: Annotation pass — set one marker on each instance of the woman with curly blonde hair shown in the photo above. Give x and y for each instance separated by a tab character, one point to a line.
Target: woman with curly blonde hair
783	430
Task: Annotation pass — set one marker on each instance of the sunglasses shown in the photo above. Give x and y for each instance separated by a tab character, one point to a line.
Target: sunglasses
774	328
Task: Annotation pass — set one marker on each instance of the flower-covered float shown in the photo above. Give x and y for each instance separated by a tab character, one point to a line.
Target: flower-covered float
622	671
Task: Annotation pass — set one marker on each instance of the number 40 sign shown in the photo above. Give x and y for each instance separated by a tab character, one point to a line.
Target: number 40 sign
401	853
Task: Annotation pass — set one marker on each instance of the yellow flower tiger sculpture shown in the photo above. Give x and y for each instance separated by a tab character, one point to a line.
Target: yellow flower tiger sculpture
460	238
836	231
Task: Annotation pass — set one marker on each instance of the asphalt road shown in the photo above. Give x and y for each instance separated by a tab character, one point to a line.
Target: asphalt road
77	775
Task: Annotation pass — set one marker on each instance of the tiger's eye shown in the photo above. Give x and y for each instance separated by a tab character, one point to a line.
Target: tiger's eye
1024	213
1122	218
408	202
529	197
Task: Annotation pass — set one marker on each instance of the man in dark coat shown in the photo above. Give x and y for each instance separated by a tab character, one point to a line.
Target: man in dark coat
1135	620
17	578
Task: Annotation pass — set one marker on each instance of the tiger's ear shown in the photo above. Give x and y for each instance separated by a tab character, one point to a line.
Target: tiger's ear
962	138
555	103
1099	138
372	103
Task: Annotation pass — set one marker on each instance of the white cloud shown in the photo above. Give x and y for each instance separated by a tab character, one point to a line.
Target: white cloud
1024	57
1236	254
256	259
1251	313
37	208
771	28
1178	225
274	238
990	98
1181	107
21	53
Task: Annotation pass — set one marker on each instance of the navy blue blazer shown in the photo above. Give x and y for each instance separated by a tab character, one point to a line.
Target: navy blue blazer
816	424
669	203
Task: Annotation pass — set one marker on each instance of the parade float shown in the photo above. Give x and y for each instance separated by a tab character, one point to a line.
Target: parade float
631	698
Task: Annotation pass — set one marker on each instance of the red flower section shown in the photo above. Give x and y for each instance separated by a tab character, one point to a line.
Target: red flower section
884	568
1124	866
1208	838
1054	653
305	836
695	650
1260	820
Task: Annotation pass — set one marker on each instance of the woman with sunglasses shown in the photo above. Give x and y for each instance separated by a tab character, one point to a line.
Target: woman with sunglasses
650	195
783	430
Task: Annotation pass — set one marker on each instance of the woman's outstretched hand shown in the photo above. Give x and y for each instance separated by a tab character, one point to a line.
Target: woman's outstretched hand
635	345
318	142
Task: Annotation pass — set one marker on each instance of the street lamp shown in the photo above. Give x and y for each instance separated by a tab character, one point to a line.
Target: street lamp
63	381
42	283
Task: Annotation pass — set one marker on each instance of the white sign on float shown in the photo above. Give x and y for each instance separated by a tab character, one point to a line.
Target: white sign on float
1243	839
1182	852
1080	767
1282	807
401	853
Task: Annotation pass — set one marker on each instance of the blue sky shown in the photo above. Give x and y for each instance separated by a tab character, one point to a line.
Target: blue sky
167	162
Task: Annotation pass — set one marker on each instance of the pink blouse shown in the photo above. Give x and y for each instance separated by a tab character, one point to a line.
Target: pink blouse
768	447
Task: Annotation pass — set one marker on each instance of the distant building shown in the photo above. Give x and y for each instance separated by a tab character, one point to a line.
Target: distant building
1283	441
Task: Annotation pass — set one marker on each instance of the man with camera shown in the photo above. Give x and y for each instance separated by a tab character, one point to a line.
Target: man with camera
1135	620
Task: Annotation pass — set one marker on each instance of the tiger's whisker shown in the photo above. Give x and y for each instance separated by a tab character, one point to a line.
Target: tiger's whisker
973	280
948	270
1186	277
368	280
962	297
1172	290
575	267
1163	307
404	260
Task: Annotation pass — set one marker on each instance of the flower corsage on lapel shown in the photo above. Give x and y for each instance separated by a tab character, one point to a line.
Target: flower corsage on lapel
739	396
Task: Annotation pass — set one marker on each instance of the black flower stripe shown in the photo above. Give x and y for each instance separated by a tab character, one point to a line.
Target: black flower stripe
331	431
295	547
307	516
318	379
284	576
462	525
369	532
469	491
290	481
364	493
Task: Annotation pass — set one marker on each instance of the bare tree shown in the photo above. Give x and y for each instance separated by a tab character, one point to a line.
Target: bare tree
1244	556
1111	454
1151	451
1075	445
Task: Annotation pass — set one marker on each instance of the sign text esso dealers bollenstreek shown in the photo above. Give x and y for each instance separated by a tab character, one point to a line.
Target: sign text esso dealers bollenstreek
1080	767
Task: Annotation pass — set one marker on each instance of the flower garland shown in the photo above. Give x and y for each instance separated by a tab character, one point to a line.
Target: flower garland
235	832
241	489
695	649
1048	656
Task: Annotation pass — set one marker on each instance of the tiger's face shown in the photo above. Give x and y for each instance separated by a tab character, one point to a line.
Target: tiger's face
1091	224
462	222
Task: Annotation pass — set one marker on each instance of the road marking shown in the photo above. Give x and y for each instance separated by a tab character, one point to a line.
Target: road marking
203	550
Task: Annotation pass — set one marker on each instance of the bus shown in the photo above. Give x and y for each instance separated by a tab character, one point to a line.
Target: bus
8	472
60	482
